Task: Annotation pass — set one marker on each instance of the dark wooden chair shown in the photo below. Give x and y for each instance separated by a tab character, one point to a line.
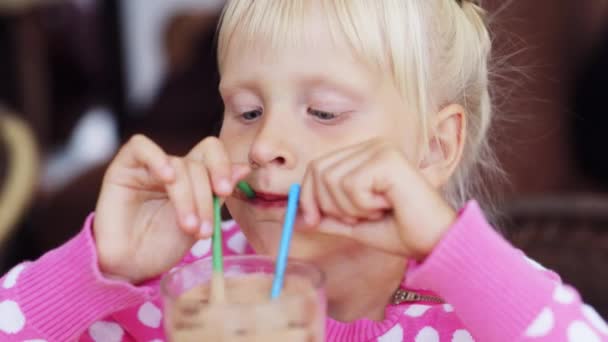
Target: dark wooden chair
567	234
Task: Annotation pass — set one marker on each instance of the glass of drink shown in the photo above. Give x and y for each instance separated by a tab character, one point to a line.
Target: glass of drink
246	312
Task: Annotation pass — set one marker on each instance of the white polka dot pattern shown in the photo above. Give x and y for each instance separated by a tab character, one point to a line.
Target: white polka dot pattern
228	225
427	334
542	325
595	319
237	243
200	248
563	295
106	332
395	334
11	277
416	310
12	319
149	315
462	336
580	332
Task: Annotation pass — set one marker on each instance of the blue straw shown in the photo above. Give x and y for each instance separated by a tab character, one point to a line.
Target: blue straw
290	216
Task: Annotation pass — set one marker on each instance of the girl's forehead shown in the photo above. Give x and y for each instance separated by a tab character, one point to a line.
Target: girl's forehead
318	64
307	53
272	27
372	33
384	33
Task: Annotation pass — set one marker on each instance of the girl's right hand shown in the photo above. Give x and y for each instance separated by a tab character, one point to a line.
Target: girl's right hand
153	206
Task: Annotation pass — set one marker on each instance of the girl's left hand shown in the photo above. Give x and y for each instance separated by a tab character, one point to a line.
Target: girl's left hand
371	193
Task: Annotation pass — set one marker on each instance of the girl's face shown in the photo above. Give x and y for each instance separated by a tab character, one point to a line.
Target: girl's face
286	107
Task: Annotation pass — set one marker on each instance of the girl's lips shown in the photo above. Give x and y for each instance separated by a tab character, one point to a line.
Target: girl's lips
267	200
270	196
268	204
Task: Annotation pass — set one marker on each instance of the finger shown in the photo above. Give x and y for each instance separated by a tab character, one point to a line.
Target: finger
212	153
141	151
341	187
181	196
203	197
359	186
328	173
324	200
308	206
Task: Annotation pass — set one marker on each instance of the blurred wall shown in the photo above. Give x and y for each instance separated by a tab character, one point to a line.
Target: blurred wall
144	22
551	40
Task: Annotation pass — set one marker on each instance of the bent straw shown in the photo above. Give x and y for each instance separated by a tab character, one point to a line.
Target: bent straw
281	264
217	280
246	189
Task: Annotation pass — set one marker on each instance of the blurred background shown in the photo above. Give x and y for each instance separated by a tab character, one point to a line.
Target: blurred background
78	77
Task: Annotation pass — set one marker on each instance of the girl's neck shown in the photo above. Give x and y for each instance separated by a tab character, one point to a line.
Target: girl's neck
361	283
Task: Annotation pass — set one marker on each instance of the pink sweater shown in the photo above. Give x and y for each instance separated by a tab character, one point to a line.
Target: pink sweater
494	293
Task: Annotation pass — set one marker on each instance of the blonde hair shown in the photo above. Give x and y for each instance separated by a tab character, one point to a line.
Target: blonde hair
437	52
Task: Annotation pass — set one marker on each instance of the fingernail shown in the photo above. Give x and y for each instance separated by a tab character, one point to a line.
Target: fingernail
190	221
224	186
205	229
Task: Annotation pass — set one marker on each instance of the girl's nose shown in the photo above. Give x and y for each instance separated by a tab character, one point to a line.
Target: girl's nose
272	148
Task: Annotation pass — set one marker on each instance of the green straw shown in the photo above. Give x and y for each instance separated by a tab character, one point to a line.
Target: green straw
218	292
218	261
246	189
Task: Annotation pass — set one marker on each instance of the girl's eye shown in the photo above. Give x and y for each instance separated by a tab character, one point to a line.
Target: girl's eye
321	115
251	115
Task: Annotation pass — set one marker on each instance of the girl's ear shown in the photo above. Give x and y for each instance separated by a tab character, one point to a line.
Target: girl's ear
445	146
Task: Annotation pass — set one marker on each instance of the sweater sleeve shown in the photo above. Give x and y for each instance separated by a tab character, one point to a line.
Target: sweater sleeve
59	296
498	293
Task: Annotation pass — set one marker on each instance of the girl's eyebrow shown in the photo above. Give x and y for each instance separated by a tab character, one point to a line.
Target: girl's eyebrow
227	89
304	81
326	84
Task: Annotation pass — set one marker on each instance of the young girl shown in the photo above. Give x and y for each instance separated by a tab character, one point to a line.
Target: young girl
380	110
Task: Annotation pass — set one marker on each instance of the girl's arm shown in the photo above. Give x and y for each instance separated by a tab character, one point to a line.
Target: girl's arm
59	296
498	293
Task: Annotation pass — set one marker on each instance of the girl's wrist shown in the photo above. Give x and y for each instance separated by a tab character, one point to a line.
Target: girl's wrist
436	226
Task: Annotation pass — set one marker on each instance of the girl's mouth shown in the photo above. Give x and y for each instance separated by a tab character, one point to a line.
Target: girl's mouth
266	199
